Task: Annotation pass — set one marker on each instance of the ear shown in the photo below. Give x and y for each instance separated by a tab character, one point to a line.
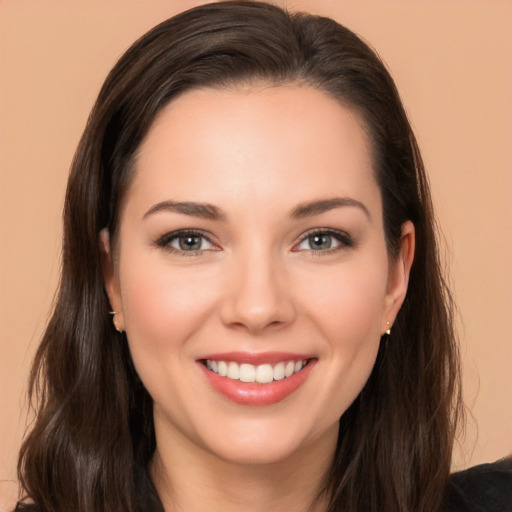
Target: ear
398	278
111	280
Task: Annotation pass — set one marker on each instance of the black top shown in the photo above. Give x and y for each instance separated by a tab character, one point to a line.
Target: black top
484	488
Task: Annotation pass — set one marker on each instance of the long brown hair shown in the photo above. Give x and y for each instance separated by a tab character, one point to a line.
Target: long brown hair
93	436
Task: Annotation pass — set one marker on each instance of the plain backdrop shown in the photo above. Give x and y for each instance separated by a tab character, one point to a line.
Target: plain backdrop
451	62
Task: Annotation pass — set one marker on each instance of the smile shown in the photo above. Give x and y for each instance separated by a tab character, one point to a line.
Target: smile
261	374
256	379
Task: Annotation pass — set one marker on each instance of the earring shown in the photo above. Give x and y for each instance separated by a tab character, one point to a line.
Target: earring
388	332
114	313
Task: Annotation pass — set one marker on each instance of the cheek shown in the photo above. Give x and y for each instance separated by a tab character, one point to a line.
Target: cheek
346	305
163	309
346	308
162	306
347	302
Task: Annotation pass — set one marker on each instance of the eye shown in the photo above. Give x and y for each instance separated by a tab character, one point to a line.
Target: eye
191	242
324	240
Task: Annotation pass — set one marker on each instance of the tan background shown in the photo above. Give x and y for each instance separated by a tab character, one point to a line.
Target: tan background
451	61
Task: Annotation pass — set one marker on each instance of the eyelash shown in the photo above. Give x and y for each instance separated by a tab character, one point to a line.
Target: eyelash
165	241
344	239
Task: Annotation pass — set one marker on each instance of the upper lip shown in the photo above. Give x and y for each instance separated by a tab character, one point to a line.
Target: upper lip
256	358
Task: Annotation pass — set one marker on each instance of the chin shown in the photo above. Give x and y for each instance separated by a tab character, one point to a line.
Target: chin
268	444
256	453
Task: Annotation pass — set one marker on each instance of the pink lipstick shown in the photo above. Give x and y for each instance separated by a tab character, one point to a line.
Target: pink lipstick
256	379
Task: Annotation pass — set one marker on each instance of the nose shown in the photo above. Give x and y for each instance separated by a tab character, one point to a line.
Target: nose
258	295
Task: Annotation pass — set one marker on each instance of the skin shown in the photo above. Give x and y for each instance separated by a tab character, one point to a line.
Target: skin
257	285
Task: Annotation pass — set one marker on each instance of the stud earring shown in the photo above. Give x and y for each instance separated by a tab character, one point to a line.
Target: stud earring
388	332
114	313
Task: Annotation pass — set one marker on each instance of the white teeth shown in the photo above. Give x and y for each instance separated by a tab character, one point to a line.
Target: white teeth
233	371
247	373
279	371
223	368
262	374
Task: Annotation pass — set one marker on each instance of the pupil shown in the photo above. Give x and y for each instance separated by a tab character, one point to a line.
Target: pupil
190	243
320	242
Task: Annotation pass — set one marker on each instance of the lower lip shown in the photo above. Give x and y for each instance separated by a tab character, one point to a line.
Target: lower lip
244	393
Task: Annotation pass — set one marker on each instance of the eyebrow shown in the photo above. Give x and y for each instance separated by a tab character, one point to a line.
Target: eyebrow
324	205
203	210
211	212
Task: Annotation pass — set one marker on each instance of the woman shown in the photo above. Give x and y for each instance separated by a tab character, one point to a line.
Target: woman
252	314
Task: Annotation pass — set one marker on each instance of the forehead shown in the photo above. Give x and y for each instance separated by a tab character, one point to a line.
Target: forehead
255	142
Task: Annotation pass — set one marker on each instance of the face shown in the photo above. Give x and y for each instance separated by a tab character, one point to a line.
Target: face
251	274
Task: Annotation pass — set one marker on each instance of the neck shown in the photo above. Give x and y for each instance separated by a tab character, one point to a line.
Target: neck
190	479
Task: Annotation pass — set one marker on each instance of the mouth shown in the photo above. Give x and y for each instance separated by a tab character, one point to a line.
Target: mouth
250	373
256	379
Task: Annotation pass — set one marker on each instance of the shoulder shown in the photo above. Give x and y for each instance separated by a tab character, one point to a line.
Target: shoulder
484	488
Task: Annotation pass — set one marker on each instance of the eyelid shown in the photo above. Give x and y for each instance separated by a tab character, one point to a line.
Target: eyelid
164	241
344	240
342	237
